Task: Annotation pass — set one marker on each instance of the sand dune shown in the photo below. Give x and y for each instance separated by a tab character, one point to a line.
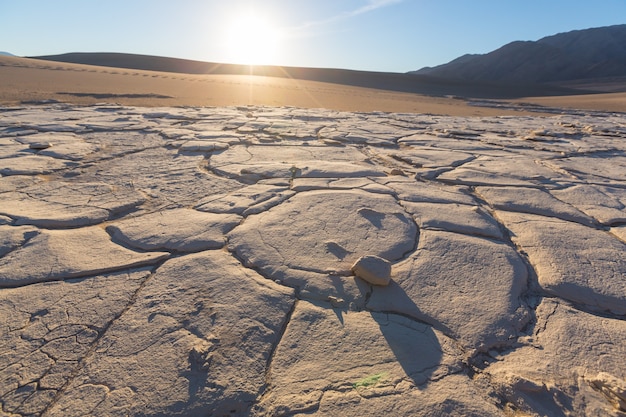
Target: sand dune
31	80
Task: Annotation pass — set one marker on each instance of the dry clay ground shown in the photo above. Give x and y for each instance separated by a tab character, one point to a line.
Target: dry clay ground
196	261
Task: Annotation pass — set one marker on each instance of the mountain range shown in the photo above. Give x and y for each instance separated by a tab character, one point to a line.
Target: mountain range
597	53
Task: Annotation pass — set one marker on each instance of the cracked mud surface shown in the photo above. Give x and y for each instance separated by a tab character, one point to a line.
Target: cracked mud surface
196	261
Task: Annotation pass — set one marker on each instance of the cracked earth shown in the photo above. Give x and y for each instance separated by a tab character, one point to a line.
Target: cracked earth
197	261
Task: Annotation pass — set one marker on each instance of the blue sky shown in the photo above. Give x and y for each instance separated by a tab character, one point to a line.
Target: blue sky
378	35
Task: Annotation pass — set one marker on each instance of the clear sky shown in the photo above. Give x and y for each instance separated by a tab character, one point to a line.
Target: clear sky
378	35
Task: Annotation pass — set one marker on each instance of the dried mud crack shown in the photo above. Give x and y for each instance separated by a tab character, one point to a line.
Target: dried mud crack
197	261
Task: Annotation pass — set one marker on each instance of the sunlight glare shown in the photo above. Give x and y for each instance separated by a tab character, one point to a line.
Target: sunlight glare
252	40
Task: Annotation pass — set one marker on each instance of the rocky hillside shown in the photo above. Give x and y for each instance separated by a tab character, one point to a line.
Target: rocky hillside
580	54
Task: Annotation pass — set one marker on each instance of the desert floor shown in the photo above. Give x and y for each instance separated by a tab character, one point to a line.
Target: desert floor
198	260
31	80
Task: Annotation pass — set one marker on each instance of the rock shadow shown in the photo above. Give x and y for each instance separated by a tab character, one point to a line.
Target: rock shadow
415	344
375	217
337	250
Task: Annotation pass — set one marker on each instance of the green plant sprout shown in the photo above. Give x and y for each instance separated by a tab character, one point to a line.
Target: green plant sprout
369	380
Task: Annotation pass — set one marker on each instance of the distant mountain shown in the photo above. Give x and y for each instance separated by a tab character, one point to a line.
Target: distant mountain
6	53
581	54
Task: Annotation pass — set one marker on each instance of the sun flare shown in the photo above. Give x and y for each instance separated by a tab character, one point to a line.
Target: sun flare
252	40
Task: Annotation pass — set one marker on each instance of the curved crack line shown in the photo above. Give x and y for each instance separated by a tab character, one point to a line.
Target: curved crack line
266	389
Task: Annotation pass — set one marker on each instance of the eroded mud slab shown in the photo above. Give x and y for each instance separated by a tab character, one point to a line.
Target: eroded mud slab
343	356
325	232
60	254
48	329
182	230
574	262
445	280
253	163
605	204
503	170
549	377
469	220
533	201
247	200
198	261
202	332
32	165
63	204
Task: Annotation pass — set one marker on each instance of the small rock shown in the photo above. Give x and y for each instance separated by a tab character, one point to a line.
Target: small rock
397	171
373	269
39	145
336	301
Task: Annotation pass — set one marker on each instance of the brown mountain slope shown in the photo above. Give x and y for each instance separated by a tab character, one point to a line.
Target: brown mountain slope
597	53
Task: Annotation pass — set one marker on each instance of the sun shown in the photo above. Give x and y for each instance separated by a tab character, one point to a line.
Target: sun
252	40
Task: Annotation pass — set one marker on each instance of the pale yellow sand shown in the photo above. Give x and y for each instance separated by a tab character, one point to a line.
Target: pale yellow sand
25	80
608	101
